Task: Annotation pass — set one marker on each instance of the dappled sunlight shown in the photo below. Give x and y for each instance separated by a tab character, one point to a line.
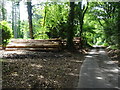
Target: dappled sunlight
52	44
93	53
14	74
73	74
41	77
48	69
111	70
7	61
111	62
14	52
31	75
77	61
89	56
102	51
99	78
98	70
36	65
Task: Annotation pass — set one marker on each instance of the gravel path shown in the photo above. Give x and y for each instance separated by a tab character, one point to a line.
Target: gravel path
98	71
109	69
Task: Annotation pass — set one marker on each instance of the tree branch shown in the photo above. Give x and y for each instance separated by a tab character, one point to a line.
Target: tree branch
84	11
100	23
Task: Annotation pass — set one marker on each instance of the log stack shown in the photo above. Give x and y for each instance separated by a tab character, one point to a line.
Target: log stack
34	45
76	41
0	47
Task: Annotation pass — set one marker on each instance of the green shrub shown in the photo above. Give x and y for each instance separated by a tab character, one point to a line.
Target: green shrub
6	33
106	44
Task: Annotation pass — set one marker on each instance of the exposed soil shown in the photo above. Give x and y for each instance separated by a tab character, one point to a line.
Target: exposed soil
28	69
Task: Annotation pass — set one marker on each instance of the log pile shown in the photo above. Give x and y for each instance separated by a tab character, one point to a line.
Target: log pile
40	45
34	45
0	47
76	41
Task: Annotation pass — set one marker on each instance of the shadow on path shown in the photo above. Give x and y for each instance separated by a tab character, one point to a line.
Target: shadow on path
98	71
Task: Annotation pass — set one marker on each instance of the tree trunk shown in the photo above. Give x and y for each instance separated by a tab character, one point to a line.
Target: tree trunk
82	12
70	32
80	17
3	10
15	22
118	24
29	8
0	35
13	16
0	26
18	19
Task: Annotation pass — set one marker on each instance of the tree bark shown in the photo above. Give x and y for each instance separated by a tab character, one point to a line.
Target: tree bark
70	33
0	25
13	17
81	20
3	10
29	8
118	25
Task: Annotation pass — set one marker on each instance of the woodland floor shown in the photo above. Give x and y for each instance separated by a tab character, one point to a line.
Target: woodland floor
28	69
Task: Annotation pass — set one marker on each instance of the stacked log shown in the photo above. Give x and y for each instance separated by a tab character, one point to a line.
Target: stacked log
0	47
34	45
40	45
76	41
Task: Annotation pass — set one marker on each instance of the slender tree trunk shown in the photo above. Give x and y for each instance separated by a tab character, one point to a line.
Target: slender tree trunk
80	17
3	10
82	12
70	33
14	19
118	24
13	16
29	8
0	20
0	35
18	19
45	14
81	23
15	22
81	27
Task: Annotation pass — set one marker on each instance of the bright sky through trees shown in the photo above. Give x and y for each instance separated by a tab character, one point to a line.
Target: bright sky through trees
23	9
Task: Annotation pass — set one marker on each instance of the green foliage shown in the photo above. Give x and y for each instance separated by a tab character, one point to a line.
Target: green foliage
6	32
113	47
100	25
24	30
106	44
40	33
50	17
104	14
56	19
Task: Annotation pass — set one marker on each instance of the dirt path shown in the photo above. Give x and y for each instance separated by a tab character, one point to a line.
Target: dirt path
98	71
